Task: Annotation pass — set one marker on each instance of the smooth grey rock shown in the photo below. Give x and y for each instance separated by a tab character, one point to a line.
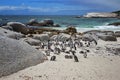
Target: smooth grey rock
18	27
16	55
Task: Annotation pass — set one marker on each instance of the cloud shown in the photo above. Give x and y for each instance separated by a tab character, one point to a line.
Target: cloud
39	9
90	4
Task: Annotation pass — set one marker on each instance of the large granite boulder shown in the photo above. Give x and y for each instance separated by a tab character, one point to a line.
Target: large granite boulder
32	42
107	37
107	33
42	37
16	55
18	27
100	15
11	34
34	22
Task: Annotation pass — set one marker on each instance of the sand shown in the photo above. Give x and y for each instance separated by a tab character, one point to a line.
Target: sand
94	67
97	66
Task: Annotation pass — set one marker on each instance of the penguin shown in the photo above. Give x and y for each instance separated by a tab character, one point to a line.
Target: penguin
85	55
53	58
76	58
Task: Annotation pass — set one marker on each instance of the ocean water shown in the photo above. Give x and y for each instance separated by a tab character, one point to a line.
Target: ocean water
81	24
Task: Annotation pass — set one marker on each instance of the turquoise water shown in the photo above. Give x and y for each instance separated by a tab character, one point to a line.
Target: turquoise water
65	21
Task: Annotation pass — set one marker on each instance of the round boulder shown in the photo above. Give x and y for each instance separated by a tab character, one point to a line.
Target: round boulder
18	27
32	42
16	55
108	37
71	29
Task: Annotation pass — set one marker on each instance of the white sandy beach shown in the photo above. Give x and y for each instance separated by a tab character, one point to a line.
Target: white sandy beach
95	67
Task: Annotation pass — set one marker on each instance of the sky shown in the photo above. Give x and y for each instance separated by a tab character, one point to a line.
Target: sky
57	7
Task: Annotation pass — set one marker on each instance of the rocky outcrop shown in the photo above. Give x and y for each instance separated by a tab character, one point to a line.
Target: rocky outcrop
101	15
115	24
104	35
45	23
48	22
18	27
16	55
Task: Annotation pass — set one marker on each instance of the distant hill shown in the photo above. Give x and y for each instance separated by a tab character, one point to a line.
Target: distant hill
118	12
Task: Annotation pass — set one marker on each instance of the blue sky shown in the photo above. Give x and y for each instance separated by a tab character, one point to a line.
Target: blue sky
57	7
